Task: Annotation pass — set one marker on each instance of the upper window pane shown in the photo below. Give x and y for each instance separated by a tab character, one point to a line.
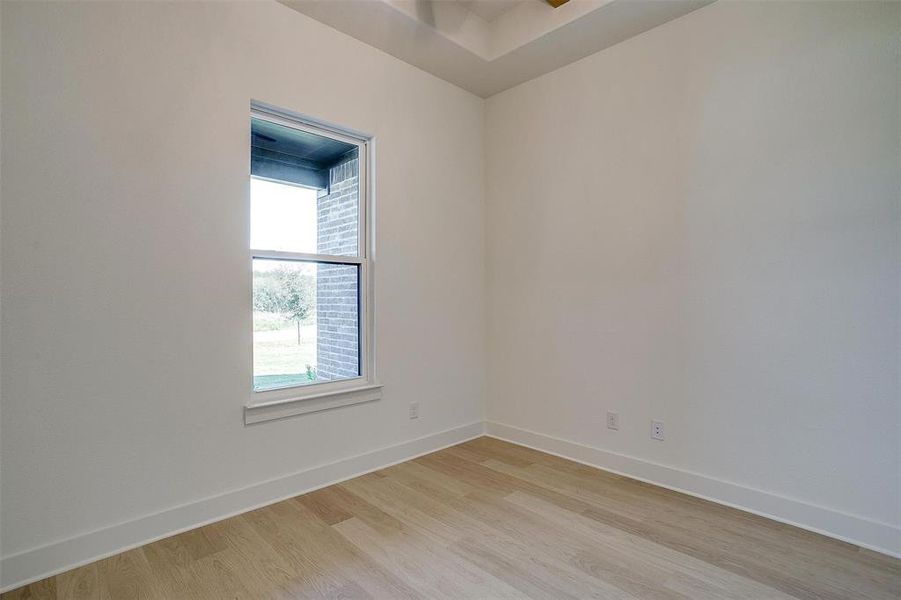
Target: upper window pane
304	193
282	217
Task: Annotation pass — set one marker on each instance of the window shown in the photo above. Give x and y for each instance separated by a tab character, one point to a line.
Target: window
309	216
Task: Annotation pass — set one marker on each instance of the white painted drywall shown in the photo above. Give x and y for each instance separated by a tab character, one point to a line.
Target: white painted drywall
126	282
701	225
698	225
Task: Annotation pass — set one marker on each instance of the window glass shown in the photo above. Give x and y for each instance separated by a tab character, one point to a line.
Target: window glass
305	193
305	323
305	241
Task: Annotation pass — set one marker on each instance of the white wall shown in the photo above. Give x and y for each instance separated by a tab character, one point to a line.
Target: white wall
701	225
698	225
126	282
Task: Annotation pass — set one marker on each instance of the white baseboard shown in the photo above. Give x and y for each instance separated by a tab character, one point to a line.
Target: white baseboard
35	564
881	537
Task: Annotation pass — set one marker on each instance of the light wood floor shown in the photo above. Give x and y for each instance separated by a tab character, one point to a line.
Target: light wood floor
487	519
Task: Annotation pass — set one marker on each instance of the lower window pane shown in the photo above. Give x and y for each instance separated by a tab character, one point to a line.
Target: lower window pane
306	323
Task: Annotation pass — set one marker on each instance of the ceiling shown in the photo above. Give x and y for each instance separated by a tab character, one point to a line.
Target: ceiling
488	46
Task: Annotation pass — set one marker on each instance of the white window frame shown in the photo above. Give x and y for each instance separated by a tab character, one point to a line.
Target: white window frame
284	402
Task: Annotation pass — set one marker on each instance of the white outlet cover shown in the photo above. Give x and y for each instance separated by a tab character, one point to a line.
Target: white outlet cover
657	430
612	420
414	410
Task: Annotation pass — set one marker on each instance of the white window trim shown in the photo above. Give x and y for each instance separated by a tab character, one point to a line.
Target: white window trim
280	403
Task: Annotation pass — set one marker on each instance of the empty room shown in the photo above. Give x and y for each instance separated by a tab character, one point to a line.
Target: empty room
453	299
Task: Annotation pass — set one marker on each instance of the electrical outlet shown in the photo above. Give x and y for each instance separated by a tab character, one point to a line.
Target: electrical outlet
612	420
657	430
414	410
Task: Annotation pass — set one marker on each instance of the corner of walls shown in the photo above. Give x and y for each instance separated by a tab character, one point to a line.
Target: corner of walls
486	264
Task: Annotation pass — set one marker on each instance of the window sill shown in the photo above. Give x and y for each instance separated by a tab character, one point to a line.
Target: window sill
289	407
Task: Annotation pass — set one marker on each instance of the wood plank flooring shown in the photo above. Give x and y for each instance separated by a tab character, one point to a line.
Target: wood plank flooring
487	519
